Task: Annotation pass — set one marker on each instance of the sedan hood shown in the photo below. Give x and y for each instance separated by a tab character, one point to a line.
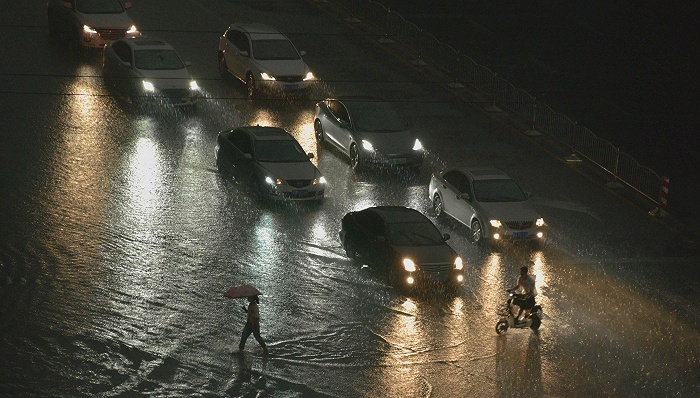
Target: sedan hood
283	67
392	143
168	79
428	254
510	211
291	171
106	21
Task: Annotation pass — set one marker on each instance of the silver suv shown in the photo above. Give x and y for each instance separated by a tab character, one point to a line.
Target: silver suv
90	23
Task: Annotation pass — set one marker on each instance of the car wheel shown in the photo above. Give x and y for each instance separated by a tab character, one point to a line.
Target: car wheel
318	130
354	157
438	206
223	68
476	231
502	327
350	249
250	86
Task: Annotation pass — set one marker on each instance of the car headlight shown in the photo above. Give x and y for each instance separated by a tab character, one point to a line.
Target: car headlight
409	265
266	76
417	146
132	30
458	263
539	222
496	223
309	76
367	145
319	180
148	86
89	30
194	86
274	181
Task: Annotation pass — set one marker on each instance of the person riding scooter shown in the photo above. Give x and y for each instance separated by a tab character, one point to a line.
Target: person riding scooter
526	299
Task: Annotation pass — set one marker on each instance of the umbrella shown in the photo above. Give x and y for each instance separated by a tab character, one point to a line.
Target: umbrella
242	291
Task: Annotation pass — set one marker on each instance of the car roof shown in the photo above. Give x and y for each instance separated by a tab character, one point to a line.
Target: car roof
259	31
145	43
398	214
267	133
484	173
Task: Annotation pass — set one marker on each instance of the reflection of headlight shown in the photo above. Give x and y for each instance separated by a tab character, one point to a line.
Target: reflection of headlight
458	263
539	222
148	86
417	146
319	180
409	265
88	29
309	76
367	145
194	85
266	76
132	30
496	223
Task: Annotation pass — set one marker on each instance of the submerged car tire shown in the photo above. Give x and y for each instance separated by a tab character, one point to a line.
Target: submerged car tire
502	327
318	131
475	233
354	157
250	86
350	249
438	207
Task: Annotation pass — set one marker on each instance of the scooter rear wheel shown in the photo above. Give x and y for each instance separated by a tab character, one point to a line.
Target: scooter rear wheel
502	326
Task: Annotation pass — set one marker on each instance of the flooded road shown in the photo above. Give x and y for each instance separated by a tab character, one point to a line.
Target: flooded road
119	237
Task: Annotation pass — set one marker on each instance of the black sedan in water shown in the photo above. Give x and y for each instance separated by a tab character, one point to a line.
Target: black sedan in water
367	130
405	243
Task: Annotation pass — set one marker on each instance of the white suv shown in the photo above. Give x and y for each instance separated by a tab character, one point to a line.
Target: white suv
90	23
264	59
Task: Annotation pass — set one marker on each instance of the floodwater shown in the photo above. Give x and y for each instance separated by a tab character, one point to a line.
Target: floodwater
119	237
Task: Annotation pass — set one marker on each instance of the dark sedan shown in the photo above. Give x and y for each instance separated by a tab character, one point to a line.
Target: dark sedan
403	242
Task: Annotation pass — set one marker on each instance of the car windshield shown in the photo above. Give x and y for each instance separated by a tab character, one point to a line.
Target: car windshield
279	151
414	234
375	117
157	60
498	191
98	6
267	50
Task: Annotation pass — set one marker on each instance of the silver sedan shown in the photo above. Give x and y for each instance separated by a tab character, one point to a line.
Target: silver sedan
367	130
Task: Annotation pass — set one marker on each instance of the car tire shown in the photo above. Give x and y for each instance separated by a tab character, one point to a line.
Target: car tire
438	207
318	131
502	327
475	233
250	86
354	157
223	68
350	251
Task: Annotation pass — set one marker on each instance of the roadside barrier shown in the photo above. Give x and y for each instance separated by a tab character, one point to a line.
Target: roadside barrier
660	209
497	92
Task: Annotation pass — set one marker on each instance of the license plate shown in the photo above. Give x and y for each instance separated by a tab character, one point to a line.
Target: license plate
439	277
398	161
520	235
300	193
290	87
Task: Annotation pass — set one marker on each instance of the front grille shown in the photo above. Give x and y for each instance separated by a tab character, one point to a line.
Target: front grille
176	94
435	268
290	79
519	224
299	183
302	194
111	34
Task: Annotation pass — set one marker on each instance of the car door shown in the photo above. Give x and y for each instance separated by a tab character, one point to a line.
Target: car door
123	74
338	128
453	202
234	149
237	62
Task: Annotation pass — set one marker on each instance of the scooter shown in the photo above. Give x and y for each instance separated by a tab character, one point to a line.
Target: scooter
532	318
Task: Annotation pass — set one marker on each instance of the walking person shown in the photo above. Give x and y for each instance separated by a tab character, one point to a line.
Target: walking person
252	324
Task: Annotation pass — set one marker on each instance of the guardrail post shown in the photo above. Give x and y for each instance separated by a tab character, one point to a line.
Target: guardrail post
660	209
615	184
533	130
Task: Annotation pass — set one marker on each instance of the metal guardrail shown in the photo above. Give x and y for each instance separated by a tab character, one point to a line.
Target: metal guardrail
502	94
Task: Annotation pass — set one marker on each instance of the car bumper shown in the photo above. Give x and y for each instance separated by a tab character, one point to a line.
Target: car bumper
296	194
103	37
420	278
285	87
414	159
510	235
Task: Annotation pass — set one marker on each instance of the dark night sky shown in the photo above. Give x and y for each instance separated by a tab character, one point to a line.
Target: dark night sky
625	69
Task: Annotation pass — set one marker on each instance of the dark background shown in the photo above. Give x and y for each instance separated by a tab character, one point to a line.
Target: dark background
627	70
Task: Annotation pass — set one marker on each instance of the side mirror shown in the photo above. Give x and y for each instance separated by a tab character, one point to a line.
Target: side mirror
302	53
446	236
126	63
465	196
344	124
243	53
188	63
127	5
310	155
247	156
528	194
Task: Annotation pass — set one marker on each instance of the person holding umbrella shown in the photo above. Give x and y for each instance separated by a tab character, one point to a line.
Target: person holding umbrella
252	324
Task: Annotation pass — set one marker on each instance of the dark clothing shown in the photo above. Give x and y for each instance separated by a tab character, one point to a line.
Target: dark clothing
525	302
247	330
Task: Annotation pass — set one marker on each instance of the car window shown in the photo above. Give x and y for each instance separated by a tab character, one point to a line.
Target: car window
265	50
339	111
98	6
240	140
501	190
240	40
157	60
279	151
414	234
375	116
